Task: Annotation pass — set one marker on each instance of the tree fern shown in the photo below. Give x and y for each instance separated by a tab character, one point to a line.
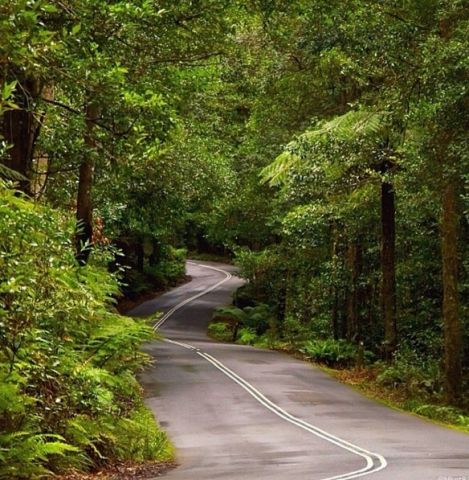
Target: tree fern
10	174
347	127
277	172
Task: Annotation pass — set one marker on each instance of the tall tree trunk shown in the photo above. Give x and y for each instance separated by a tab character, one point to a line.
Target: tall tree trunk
154	258
451	321
334	292
84	212
19	131
388	245
449	252
354	265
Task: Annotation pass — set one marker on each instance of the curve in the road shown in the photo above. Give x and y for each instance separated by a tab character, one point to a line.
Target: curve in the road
374	461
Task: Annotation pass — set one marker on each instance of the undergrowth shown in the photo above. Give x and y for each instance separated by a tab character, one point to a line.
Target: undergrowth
408	382
68	393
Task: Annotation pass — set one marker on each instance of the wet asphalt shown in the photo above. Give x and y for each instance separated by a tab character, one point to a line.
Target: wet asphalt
265	415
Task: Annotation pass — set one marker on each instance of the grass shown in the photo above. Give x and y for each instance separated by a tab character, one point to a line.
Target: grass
365	381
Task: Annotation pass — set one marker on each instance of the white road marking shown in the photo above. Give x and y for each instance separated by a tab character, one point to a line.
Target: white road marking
369	457
201	294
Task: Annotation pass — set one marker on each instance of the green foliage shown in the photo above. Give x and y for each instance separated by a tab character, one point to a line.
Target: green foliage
413	373
135	437
344	128
257	319
170	269
441	413
246	336
265	273
348	97
26	455
335	119
337	353
221	331
230	314
68	395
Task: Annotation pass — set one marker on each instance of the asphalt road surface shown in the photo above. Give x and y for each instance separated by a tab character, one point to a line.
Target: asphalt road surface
235	412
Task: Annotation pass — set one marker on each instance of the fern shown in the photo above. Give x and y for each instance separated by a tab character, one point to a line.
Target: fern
349	126
277	172
229	313
24	454
346	128
10	174
73	355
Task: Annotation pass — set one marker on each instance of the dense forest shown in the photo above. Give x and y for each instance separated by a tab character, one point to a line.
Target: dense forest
321	145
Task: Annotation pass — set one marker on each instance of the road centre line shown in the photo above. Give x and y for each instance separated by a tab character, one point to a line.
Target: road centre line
369	457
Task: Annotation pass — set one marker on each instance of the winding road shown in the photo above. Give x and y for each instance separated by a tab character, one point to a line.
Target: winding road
235	412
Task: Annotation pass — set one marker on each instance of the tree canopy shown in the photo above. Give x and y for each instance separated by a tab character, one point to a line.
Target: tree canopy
321	144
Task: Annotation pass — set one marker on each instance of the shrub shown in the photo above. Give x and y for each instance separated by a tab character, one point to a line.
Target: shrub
221	331
170	269
294	331
259	318
229	314
411	372
135	437
246	336
337	353
242	297
265	272
65	354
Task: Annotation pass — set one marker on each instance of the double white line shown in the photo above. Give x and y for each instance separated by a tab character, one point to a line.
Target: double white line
374	461
165	317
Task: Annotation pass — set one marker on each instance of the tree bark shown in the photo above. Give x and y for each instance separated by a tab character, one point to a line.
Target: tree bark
19	131
84	214
334	292
388	268
154	258
449	252
354	265
451	321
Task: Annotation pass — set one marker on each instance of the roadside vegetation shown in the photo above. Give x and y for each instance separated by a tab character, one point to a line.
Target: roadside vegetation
320	144
409	382
354	233
69	398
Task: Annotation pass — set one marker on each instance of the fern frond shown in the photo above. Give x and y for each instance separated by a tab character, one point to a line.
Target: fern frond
277	172
11	174
347	127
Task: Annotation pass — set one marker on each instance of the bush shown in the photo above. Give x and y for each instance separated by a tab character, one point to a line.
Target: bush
65	356
221	331
259	318
408	371
229	314
242	297
170	269
295	332
135	437
265	272
337	353
246	336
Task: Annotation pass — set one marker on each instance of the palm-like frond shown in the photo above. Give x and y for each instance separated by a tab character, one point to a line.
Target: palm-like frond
277	172
10	174
347	127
